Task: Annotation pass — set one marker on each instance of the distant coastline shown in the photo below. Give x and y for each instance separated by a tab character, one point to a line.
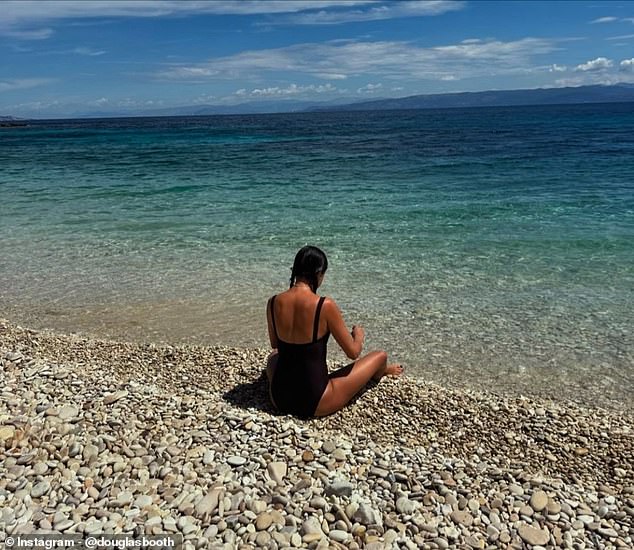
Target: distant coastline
616	93
10	121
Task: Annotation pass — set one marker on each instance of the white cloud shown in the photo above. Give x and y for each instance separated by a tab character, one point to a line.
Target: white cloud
383	59
291	90
332	76
627	65
35	10
369	88
23	83
598	64
122	103
621	37
203	99
88	51
192	73
608	19
386	10
17	17
554	68
32	34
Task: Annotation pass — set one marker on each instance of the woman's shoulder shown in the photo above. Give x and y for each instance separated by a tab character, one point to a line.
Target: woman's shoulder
329	303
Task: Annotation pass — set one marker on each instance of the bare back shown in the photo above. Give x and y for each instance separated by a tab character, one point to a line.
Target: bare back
294	316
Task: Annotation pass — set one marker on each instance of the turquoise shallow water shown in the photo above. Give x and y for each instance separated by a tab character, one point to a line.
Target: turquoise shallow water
486	247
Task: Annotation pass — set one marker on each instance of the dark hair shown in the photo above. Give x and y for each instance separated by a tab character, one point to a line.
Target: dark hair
309	262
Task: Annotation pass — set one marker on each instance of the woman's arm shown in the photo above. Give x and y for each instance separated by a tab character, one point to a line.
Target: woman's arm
350	342
269	322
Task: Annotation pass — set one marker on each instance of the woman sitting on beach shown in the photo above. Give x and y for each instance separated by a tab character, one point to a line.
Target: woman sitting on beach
299	323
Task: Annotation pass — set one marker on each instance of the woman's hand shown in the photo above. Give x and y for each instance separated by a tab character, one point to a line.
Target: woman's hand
351	342
358	334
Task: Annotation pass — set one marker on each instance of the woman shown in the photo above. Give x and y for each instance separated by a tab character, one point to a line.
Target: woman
300	323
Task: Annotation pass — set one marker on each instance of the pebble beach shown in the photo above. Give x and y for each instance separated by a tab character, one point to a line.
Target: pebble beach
101	436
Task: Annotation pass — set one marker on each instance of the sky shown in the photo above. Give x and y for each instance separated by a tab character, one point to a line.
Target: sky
62	58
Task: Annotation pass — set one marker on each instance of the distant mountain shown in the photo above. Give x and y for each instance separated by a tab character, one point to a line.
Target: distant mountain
248	108
541	96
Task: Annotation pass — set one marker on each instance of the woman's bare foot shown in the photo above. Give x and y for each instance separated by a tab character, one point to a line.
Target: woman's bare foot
393	370
390	370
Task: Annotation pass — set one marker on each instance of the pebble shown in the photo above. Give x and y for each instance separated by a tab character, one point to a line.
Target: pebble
6	433
585	519
124	498
539	501
533	535
68	412
40	468
208	504
608	532
64	525
263	521
462	517
328	446
277	471
405	506
236	460
142	501
339	488
311	526
113	397
339	455
366	515
338	535
553	507
474	541
319	503
262	539
40	489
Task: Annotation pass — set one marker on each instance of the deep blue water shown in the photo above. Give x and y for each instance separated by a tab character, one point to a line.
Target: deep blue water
490	247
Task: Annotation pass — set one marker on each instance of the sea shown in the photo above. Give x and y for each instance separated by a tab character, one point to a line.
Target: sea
484	248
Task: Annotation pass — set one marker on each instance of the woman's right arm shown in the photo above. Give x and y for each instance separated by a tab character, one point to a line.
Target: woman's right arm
271	329
350	342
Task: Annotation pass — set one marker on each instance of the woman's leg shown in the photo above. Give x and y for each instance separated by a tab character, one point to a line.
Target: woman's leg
346	383
271	366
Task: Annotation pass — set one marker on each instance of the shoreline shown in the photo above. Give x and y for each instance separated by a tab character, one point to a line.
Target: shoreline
156	438
539	375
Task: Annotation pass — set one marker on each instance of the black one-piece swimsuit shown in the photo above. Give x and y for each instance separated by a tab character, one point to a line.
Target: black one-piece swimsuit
301	375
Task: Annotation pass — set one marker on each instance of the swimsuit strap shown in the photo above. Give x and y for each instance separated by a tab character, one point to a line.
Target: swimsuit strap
273	316
316	325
